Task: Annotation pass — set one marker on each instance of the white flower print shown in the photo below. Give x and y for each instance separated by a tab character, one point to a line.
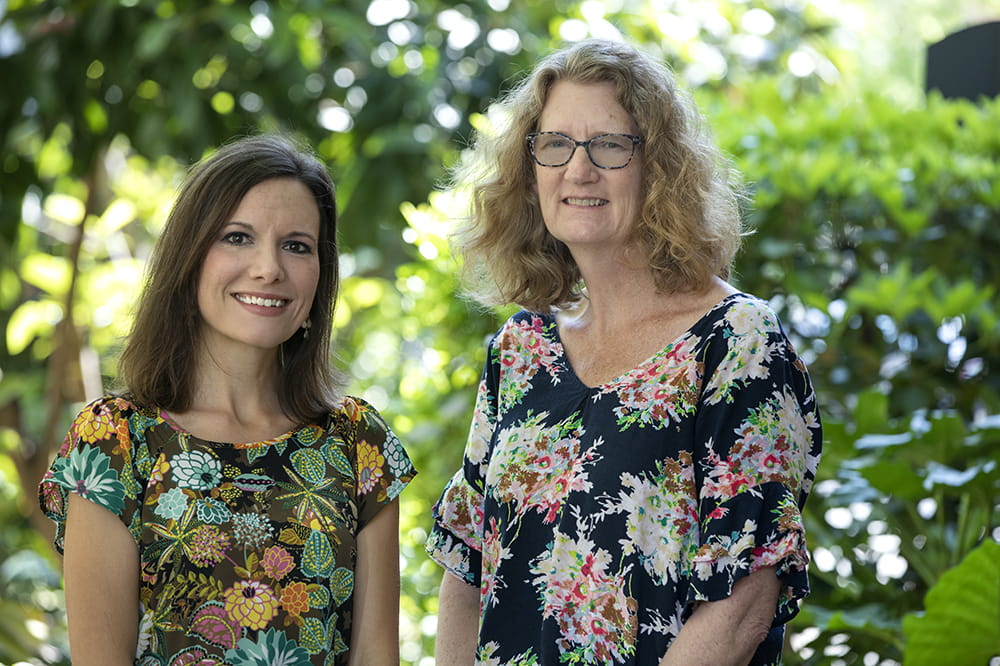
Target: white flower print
197	470
661	518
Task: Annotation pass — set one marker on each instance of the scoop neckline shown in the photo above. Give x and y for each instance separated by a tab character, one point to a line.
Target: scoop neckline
277	439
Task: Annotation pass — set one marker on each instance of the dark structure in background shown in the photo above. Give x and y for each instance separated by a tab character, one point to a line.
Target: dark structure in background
966	63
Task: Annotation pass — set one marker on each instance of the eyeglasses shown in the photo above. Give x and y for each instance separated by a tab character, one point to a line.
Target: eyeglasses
606	151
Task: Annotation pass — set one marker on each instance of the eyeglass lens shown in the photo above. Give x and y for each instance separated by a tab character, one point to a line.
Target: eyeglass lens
610	151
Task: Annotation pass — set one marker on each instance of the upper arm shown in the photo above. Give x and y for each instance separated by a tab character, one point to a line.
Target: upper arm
101	568
458	622
752	604
727	632
375	628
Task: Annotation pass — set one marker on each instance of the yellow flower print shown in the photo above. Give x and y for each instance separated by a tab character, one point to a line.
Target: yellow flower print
94	425
251	604
370	465
160	469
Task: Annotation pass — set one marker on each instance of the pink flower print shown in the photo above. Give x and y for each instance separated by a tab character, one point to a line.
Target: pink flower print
597	619
277	562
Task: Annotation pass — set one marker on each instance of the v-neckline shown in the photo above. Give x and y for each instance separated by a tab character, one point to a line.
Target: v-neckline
603	386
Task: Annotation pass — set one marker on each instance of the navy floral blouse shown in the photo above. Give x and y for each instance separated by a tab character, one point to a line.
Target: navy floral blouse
592	518
246	551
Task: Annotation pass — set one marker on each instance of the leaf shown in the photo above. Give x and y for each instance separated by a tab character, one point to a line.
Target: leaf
871	415
942	475
309	464
896	479
313	636
334	455
342	585
213	624
883	441
961	624
317	556
319	596
291	537
30	320
252	561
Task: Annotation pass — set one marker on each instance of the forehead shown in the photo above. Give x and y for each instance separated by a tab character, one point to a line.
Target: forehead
594	106
278	199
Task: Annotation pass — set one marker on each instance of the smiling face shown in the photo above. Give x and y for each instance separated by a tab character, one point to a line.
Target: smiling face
259	277
583	205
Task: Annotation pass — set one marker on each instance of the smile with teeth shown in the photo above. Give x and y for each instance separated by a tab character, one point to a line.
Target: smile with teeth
585	202
263	302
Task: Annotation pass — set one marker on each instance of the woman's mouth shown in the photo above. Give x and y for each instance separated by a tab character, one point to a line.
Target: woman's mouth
261	302
585	202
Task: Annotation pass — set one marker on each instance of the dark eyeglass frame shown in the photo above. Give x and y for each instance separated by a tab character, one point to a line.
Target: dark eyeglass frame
636	141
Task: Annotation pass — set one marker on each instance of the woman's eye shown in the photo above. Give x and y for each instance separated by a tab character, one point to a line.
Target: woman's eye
298	247
236	238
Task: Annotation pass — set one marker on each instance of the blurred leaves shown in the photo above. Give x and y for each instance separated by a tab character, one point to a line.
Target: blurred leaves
965	602
877	227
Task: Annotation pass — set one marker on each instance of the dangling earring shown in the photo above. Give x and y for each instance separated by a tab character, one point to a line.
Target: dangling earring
306	325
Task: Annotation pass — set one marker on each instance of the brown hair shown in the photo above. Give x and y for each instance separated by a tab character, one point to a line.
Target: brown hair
157	364
689	226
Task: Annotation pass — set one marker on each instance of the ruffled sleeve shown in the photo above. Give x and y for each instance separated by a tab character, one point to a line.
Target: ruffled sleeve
382	467
759	439
456	539
97	461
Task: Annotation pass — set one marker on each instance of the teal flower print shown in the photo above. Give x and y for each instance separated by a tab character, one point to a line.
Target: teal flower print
87	472
251	529
171	504
395	455
197	470
211	510
272	648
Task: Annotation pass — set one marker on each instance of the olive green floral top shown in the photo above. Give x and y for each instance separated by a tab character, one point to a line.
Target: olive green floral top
247	551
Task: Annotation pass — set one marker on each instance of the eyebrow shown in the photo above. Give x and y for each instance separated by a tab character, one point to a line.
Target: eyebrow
250	227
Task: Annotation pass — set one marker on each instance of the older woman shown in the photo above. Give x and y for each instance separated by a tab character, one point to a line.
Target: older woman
644	435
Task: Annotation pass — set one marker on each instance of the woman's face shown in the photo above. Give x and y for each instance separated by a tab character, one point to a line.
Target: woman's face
259	277
583	205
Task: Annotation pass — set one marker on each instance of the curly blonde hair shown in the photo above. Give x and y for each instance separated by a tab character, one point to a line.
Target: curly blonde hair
689	226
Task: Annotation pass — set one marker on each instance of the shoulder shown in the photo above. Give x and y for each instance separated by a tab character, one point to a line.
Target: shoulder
353	407
104	417
111	403
353	414
743	314
526	323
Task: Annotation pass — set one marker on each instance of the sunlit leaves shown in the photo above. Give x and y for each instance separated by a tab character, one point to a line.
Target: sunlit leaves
876	229
118	214
961	624
31	319
64	208
49	273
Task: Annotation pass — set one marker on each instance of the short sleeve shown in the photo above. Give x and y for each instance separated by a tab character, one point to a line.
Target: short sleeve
455	541
759	439
96	462
382	466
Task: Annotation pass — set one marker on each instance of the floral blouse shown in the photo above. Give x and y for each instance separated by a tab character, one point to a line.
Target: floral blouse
592	518
246	551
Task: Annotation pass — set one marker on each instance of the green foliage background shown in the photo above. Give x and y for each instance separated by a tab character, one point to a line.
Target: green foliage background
875	211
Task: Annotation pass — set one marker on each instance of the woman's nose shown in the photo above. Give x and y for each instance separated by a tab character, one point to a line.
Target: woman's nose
267	265
580	168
